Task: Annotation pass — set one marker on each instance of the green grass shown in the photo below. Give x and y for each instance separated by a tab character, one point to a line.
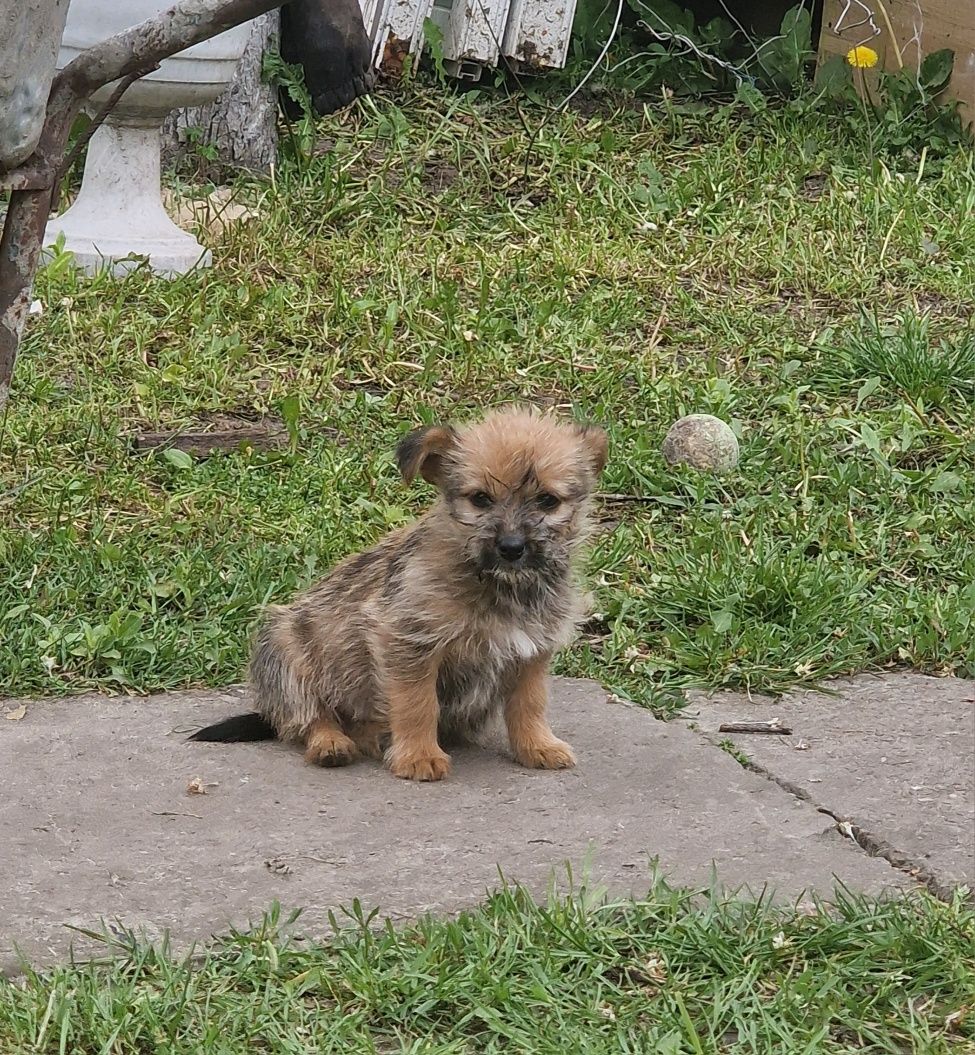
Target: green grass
673	973
632	265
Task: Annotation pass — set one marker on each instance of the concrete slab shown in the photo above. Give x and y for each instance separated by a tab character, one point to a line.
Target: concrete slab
893	756
96	822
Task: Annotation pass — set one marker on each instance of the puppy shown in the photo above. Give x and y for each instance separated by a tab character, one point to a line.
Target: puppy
417	642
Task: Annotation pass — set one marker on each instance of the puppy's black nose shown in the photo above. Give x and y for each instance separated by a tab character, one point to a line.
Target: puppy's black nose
511	547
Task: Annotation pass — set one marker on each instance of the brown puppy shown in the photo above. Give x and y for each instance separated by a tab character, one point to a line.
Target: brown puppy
421	639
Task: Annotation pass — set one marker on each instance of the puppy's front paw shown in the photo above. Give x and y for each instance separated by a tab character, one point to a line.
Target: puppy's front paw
329	748
418	765
545	754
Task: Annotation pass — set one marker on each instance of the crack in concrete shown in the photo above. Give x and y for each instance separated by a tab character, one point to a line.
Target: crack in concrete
872	845
888	757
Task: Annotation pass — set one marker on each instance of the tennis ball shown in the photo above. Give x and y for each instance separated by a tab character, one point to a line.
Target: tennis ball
703	442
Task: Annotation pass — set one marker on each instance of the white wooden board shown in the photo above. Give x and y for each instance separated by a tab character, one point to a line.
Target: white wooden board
533	34
538	33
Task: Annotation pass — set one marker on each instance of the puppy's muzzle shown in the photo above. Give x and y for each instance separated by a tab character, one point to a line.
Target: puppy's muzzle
511	548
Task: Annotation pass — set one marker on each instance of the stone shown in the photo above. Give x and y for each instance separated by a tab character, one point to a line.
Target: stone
30	31
97	822
703	442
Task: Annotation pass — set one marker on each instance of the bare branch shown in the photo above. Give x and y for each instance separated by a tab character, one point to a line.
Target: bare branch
20	247
184	24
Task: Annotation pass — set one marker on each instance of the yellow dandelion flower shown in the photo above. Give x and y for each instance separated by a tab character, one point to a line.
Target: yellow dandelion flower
861	57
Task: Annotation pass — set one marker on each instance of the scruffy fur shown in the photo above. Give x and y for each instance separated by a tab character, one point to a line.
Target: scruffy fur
418	641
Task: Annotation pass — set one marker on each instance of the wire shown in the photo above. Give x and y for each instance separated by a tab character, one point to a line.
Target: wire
595	66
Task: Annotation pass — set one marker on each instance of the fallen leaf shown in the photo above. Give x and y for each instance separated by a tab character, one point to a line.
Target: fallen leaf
17	713
955	1019
279	867
654	969
197	787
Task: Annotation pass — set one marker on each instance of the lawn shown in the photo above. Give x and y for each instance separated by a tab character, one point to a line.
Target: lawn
434	254
675	973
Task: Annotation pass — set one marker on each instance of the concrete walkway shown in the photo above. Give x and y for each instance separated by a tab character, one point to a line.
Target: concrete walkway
891	758
97	819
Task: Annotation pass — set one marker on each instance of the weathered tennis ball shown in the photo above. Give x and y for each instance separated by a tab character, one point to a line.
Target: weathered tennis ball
703	442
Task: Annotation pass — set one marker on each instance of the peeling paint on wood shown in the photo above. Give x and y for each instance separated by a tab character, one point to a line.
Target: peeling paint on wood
532	34
538	33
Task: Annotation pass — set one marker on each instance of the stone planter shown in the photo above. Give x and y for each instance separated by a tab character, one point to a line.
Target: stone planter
118	218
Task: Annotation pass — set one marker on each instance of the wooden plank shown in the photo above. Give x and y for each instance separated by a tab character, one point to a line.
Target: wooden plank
538	33
920	28
203	444
474	31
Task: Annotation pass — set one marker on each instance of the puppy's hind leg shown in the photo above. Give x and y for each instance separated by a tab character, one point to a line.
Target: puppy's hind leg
371	737
290	695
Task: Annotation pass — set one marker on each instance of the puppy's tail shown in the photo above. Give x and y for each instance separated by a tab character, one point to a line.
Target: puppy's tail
236	730
274	687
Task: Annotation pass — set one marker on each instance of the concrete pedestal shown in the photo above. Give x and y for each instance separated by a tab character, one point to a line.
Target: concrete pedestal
118	219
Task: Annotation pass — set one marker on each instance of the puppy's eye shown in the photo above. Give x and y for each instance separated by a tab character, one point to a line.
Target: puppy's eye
480	500
548	502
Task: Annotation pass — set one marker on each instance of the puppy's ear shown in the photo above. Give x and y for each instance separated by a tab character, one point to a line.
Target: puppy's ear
421	453
595	447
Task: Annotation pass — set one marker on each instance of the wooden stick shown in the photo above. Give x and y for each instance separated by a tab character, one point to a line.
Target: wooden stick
603	496
201	444
773	727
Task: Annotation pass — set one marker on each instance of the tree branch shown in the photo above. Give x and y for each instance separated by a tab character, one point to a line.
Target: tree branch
181	26
126	54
